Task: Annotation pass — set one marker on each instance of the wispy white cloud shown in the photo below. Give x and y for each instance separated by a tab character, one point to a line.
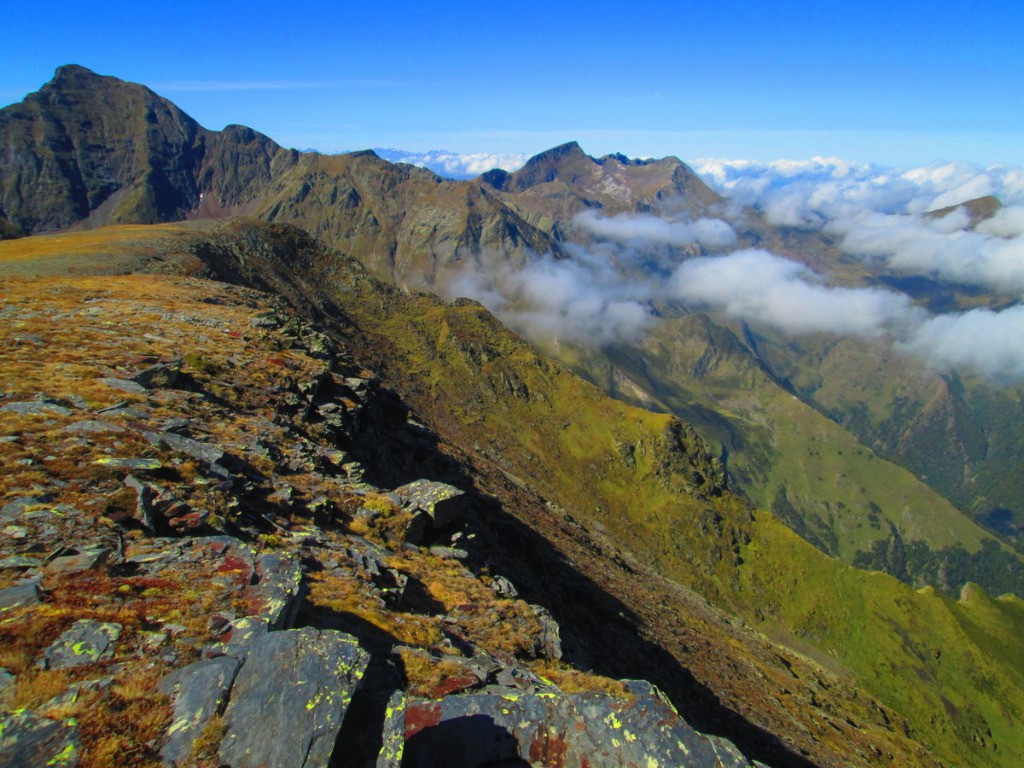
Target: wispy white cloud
582	298
760	287
937	247
810	193
983	340
1008	222
876	212
641	230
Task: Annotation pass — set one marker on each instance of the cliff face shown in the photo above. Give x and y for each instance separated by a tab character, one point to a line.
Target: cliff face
90	148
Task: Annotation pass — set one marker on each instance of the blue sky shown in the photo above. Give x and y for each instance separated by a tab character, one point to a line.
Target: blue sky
896	83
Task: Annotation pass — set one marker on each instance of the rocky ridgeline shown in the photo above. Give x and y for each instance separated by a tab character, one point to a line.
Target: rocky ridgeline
223	543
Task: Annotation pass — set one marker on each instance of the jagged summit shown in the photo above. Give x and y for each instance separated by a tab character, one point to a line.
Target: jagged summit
72	71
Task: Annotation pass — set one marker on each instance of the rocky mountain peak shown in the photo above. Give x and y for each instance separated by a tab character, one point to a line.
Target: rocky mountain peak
70	72
978	209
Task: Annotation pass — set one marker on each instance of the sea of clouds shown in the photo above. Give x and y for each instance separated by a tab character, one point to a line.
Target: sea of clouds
453	165
605	291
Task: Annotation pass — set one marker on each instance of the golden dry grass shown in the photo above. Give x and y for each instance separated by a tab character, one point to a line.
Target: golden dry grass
94	241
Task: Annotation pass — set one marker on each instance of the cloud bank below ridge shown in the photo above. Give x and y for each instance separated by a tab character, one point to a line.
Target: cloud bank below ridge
607	291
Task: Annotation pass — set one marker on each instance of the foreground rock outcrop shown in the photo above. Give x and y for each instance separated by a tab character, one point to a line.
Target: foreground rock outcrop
214	553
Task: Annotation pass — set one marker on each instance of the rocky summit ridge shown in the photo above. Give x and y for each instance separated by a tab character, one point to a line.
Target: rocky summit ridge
219	550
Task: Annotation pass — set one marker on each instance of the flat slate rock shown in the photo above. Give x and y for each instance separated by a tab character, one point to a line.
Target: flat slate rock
290	697
441	502
124	385
30	741
96	426
35	408
593	730
87	642
25	593
196	449
199	691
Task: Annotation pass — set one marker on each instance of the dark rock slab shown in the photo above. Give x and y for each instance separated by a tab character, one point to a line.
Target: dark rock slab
290	697
93	426
160	375
24	593
442	503
557	729
87	642
77	560
199	691
35	408
124	385
30	741
238	638
196	449
13	510
393	743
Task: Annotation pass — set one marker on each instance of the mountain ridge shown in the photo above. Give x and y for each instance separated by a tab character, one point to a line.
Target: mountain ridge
480	385
550	446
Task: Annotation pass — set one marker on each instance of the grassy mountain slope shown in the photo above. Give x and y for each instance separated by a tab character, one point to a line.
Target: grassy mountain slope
788	457
943	672
958	433
648	482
